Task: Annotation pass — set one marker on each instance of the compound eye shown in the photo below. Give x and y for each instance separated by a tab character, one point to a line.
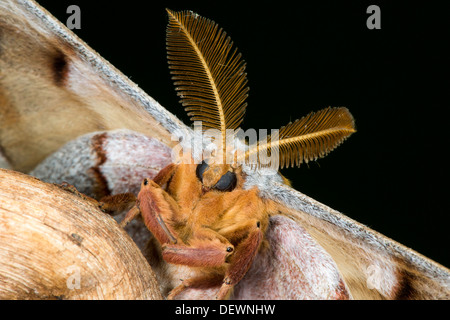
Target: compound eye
201	168
227	182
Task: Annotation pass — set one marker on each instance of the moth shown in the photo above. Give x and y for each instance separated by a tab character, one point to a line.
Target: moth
68	115
201	213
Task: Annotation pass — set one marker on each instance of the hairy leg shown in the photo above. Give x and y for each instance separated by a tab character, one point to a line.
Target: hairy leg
117	203
156	207
242	259
201	282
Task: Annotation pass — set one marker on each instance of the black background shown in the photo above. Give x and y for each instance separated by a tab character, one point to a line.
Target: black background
392	175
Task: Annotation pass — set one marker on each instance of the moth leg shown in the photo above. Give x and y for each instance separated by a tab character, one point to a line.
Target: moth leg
241	260
117	203
111	204
156	207
133	213
70	188
164	176
206	248
202	282
207	254
124	201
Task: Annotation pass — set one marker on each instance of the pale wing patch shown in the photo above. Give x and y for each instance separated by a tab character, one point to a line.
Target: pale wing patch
117	159
293	267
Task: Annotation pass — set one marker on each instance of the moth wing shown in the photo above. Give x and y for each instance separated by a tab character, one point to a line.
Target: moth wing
292	266
372	265
54	88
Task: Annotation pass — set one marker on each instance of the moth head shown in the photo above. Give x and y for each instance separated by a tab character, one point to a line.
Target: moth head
220	177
